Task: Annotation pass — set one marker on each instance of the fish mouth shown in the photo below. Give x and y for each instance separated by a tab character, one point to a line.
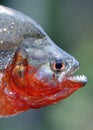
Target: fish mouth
78	78
70	75
73	78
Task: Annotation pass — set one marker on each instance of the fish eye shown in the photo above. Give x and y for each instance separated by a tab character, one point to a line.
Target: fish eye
58	65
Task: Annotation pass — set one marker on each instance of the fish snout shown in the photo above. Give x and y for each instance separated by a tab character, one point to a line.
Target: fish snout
76	64
73	65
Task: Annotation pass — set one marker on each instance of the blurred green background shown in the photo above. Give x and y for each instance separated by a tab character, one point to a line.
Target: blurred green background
70	25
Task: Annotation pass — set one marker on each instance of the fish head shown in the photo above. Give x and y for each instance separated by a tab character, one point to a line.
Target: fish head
50	73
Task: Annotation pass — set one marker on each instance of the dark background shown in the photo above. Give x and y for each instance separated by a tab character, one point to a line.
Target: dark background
70	25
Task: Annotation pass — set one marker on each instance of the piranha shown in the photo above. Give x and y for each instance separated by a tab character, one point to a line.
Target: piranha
34	71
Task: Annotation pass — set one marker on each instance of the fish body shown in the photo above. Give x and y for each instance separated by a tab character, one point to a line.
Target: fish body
34	71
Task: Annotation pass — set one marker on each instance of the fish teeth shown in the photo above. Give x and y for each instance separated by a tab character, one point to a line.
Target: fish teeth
78	78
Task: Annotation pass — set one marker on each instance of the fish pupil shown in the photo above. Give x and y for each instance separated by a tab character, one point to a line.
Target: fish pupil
58	65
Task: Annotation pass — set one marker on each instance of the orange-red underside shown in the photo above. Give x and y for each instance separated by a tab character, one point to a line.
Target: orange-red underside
20	92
